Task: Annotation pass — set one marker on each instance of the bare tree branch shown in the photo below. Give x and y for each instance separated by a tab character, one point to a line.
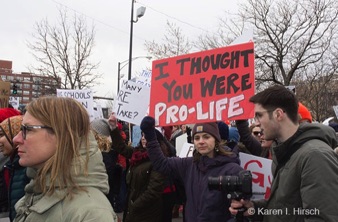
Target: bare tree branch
64	50
174	43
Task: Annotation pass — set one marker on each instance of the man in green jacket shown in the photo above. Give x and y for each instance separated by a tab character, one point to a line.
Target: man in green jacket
305	167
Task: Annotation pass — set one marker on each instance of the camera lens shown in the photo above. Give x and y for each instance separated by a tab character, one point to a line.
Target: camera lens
213	183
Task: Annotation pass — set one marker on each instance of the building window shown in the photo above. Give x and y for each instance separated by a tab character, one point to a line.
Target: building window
26	93
27	79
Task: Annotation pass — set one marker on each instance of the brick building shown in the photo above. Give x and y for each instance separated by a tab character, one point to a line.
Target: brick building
28	86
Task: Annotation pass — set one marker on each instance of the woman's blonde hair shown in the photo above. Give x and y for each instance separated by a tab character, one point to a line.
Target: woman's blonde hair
103	142
70	124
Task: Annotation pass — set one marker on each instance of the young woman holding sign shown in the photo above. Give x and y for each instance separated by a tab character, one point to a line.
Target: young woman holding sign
210	159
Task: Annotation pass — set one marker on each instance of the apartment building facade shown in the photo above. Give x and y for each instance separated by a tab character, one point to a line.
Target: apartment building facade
27	86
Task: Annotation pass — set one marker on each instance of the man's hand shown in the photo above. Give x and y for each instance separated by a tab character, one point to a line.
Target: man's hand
235	205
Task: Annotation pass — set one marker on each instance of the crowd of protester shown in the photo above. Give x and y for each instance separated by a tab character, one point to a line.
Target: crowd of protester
57	166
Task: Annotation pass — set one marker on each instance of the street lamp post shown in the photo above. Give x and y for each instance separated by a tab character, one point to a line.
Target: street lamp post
118	76
124	64
140	13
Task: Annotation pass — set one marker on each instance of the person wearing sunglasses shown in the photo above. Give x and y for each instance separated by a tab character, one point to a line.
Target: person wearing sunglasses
68	177
256	131
252	142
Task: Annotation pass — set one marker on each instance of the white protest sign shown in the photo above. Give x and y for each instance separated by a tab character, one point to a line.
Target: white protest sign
85	97
144	78
247	36
132	102
98	114
327	121
14	101
335	108
186	150
261	174
179	142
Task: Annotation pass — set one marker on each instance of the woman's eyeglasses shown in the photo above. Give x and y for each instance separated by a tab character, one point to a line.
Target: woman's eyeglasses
25	128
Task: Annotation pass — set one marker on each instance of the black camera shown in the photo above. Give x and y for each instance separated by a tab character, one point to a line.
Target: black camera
237	187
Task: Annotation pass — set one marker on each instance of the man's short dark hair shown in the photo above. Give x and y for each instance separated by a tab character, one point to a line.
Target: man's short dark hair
278	96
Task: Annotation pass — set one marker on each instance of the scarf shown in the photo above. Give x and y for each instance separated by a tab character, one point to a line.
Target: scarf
138	157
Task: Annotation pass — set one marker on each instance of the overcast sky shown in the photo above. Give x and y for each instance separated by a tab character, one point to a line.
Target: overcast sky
112	23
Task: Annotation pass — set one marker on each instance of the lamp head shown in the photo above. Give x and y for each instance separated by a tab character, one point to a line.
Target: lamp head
140	11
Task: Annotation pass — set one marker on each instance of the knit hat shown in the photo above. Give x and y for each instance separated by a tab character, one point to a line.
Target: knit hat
304	113
233	135
8	112
210	128
11	127
101	126
223	130
334	126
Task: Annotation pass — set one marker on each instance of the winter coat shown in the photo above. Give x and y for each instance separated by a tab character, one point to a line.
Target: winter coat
144	185
91	205
202	204
305	184
17	183
4	207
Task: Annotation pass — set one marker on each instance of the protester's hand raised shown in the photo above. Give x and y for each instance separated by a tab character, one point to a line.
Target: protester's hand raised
148	128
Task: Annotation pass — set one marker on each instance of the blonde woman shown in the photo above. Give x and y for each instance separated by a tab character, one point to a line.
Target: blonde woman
68	177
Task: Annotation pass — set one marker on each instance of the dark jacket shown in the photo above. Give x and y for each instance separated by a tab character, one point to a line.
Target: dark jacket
202	204
4	207
144	185
305	170
18	181
249	141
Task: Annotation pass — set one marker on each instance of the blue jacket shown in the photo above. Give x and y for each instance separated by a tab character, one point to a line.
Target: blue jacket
202	204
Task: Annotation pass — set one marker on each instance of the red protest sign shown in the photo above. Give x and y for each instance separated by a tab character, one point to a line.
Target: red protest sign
206	86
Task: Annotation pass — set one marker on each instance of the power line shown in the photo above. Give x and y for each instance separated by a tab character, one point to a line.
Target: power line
94	19
172	17
126	32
